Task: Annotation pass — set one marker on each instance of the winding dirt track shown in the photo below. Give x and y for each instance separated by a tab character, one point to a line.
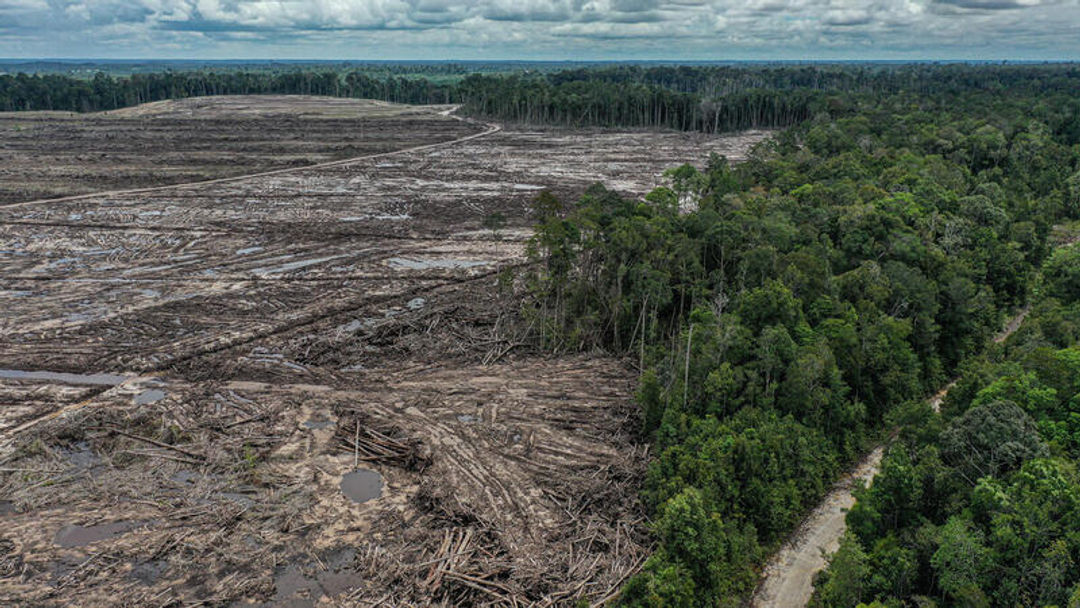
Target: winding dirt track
788	579
490	130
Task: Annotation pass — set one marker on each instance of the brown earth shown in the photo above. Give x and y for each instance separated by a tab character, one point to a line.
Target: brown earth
235	350
53	154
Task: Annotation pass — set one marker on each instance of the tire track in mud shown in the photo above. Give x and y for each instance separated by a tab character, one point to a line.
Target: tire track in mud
491	129
788	577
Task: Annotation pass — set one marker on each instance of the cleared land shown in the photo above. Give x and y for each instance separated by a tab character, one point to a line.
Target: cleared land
225	357
53	154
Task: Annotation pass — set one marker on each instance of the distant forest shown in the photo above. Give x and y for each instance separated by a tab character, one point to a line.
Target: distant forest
710	99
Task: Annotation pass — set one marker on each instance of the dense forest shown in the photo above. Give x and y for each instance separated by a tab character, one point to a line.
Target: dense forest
980	506
711	99
789	312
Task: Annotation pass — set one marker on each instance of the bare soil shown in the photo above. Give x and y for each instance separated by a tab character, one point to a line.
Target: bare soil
276	333
53	154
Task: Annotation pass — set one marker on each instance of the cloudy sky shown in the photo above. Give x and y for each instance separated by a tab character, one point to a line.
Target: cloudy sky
541	29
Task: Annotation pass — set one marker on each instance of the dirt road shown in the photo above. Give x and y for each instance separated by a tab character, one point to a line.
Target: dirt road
788	579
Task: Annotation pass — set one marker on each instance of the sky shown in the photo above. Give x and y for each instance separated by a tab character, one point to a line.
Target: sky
717	30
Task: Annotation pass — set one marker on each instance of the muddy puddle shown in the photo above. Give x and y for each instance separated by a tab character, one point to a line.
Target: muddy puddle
63	377
318	422
78	536
438	263
362	485
333	576
149	396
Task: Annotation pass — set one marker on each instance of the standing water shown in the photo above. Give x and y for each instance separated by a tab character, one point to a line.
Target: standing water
361	485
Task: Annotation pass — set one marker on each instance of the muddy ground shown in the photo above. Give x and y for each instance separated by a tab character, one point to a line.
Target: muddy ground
313	388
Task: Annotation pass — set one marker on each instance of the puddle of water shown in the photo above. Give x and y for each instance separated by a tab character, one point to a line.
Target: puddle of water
318	423
291	583
63	377
294	588
150	396
362	485
414	264
77	536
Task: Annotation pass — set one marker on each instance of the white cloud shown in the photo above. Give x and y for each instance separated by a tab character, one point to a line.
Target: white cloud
564	29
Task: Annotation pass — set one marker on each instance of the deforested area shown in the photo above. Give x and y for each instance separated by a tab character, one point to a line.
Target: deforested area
314	386
57	154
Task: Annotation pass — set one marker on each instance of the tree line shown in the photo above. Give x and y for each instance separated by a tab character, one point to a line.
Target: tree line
784	310
709	99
